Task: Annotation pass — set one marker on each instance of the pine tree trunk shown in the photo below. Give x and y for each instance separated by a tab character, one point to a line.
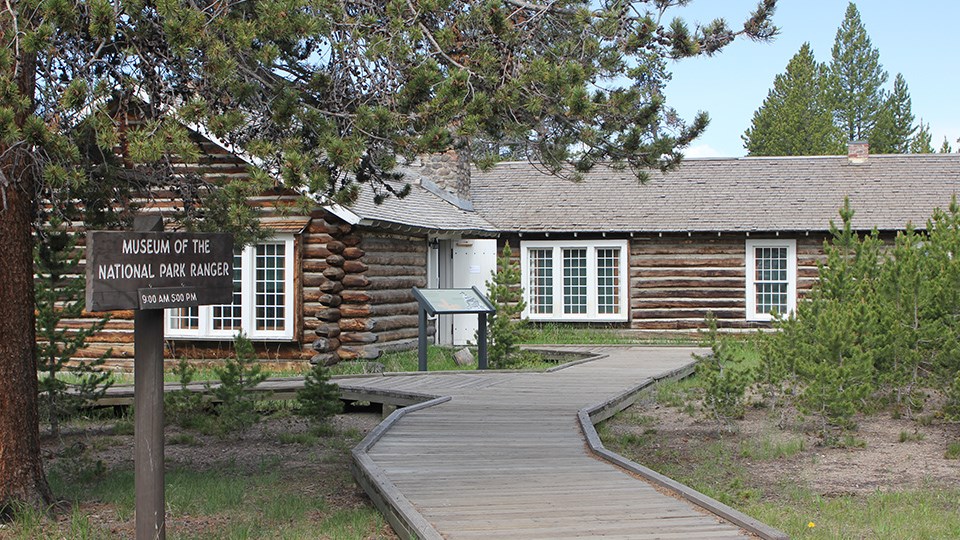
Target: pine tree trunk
21	469
22	481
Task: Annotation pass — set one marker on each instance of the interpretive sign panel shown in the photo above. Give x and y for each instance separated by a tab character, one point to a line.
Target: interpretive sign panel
185	269
446	301
452	301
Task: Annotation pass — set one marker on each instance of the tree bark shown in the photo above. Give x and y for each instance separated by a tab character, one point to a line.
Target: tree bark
21	468
22	481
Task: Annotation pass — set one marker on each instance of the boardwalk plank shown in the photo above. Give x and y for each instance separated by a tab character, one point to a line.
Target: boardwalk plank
505	457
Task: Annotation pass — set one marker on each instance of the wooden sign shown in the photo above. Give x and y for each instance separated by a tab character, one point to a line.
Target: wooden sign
185	269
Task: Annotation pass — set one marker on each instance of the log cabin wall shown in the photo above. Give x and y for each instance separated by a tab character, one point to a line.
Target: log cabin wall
325	242
116	339
676	279
379	312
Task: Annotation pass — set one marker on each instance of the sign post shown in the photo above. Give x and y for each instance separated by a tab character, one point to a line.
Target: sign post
148	270
148	412
453	301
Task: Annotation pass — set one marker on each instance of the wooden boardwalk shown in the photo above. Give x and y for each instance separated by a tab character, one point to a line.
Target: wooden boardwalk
506	455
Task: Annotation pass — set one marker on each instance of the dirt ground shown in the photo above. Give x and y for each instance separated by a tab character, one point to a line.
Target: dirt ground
320	468
878	461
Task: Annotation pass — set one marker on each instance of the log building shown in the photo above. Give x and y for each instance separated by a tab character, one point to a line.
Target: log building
740	238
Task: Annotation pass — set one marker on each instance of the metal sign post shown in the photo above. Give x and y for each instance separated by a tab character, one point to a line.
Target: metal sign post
449	302
148	270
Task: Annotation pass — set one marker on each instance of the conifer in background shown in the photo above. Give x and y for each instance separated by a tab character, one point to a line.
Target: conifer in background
856	78
945	148
795	119
922	142
894	128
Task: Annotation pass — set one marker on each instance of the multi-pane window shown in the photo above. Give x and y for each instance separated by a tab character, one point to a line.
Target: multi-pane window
608	280
771	278
271	292
540	283
262	303
230	316
575	280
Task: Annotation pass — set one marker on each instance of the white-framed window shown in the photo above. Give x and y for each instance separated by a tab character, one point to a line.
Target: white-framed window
771	271
575	280
263	299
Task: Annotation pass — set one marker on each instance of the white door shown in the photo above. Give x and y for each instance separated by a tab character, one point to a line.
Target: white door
473	263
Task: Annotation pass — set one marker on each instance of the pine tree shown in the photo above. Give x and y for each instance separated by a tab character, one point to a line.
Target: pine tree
319	398
323	95
238	377
945	148
60	295
856	78
894	128
504	328
794	119
922	142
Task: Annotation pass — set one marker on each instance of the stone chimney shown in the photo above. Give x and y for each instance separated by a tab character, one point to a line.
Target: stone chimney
450	171
858	152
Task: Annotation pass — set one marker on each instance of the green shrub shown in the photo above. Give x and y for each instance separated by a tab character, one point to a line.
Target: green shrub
505	329
319	398
238	376
184	407
723	379
882	323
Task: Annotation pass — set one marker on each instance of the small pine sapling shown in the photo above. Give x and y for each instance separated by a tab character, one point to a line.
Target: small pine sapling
505	328
724	382
319	398
60	295
238	377
184	407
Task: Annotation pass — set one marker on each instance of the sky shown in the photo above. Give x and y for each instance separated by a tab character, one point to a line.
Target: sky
918	39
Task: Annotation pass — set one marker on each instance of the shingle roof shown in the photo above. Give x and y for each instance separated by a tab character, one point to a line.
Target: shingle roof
735	195
420	209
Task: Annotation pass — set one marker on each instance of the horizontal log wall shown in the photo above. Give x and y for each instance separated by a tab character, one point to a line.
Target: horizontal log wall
379	312
214	165
676	280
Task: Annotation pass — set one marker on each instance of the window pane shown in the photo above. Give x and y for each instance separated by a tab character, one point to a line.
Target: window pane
185	318
771	280
227	316
541	280
575	280
270	292
608	280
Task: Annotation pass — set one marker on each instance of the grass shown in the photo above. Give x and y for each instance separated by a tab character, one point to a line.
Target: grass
264	499
913	514
906	436
567	334
769	447
720	467
715	467
953	451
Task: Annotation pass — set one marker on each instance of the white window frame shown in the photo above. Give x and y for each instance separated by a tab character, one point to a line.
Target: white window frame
592	246
750	270
205	330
